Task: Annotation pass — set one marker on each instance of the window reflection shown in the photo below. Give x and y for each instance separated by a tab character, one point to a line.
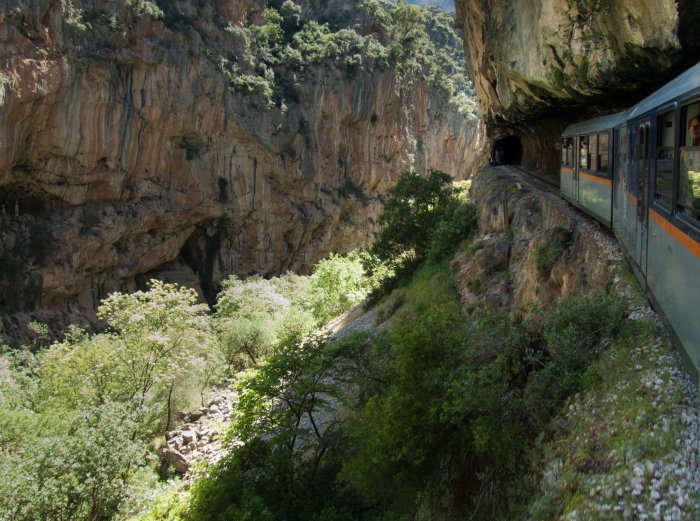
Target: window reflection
689	196
583	153
592	153
603	140
665	134
567	152
689	162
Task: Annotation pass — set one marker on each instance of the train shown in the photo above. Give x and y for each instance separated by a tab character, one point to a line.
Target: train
638	173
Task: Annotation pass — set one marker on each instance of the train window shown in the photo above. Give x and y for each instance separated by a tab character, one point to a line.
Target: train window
689	184
691	128
567	152
583	152
603	139
593	152
665	137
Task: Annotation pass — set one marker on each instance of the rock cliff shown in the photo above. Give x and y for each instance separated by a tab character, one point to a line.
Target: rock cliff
130	148
534	249
538	64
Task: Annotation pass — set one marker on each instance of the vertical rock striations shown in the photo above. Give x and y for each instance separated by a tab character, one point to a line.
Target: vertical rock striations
126	151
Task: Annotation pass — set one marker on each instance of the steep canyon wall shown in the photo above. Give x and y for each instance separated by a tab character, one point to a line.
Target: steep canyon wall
126	154
537	65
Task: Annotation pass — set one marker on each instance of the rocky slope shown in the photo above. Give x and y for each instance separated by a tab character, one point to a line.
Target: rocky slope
534	249
536	64
129	147
627	445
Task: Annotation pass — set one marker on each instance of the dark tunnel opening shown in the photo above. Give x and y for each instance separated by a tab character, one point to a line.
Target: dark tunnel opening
508	151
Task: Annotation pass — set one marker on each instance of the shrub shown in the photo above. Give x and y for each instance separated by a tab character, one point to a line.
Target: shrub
546	255
410	214
456	222
245	341
337	284
145	8
77	466
287	420
157	357
573	336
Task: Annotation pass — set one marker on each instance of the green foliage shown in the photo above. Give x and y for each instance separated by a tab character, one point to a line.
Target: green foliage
457	222
145	8
100	398
558	79
546	255
443	424
156	358
582	70
337	284
253	315
434	415
418	43
77	466
422	215
572	336
410	213
284	428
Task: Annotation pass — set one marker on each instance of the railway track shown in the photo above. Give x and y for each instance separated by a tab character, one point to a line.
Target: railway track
539	181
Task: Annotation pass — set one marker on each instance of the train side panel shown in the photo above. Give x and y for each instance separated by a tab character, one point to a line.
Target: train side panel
673	278
566	182
595	196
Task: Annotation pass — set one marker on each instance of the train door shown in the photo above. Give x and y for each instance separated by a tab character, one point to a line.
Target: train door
580	155
631	192
620	181
642	156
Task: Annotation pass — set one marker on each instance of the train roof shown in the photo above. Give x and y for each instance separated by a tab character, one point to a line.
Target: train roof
595	124
685	83
675	88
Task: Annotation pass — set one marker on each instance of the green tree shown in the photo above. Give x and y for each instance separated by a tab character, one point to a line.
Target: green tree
411	212
284	436
74	466
337	284
159	354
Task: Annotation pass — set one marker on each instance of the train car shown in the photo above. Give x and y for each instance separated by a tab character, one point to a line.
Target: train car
586	159
653	192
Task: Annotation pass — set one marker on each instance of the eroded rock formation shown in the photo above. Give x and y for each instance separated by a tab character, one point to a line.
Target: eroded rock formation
538	64
125	153
534	248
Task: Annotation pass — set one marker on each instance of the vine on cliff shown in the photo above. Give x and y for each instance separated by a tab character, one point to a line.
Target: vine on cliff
584	32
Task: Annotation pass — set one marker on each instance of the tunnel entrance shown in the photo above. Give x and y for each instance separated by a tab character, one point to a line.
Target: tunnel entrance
508	150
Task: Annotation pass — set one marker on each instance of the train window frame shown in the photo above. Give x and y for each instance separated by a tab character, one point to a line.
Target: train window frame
603	173
583	138
593	152
667	206
567	157
690	217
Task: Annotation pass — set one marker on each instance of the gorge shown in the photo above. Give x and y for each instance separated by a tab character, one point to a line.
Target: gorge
133	148
254	265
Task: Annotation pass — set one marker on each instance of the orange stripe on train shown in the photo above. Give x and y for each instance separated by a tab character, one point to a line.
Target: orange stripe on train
688	242
601	180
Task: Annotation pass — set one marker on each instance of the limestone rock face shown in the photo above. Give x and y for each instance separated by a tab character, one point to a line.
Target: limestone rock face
536	64
535	248
125	154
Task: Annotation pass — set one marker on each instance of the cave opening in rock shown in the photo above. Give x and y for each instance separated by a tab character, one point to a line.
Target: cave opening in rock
508	150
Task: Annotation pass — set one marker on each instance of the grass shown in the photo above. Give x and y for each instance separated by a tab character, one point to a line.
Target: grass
616	442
